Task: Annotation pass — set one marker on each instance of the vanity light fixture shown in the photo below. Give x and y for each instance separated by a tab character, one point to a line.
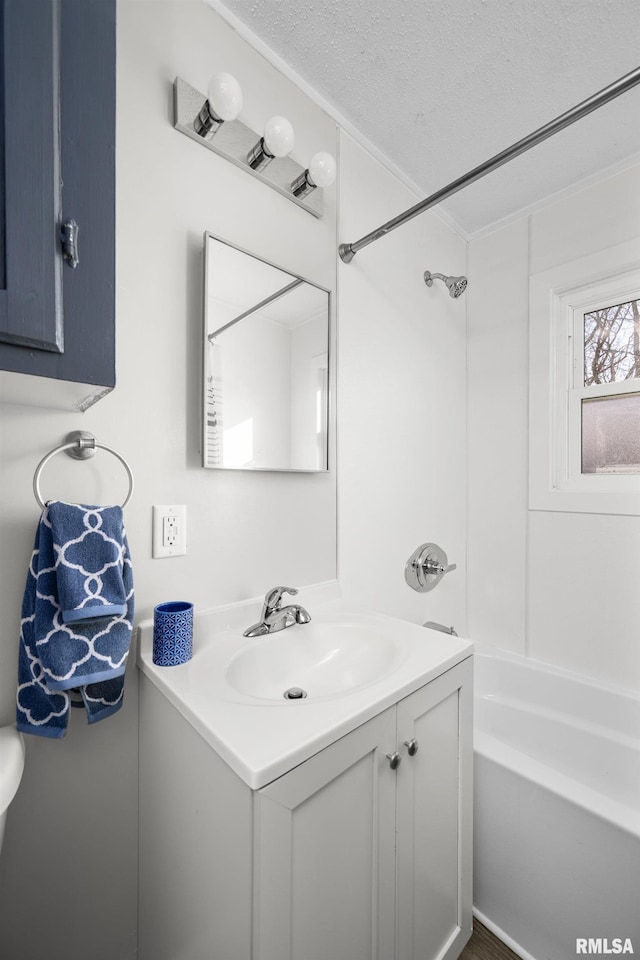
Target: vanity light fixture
213	122
320	173
224	102
277	141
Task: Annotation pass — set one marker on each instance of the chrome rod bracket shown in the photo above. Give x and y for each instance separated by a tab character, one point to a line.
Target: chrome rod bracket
347	253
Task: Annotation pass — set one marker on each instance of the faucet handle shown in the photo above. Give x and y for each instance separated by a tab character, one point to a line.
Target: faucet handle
274	596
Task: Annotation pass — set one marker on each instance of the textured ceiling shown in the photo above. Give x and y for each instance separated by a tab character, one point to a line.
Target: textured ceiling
440	86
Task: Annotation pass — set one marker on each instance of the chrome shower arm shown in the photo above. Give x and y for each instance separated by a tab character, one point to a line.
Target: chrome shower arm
348	251
430	277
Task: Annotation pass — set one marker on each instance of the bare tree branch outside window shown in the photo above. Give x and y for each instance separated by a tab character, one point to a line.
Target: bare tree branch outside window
611	424
612	344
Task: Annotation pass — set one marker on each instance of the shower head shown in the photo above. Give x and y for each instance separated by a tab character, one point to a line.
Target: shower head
455	285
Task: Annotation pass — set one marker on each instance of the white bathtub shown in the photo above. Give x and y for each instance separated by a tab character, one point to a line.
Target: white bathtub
557	809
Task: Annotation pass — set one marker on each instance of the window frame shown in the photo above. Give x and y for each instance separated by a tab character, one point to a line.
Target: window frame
558	300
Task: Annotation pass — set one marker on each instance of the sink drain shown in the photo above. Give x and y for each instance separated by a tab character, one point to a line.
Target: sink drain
295	693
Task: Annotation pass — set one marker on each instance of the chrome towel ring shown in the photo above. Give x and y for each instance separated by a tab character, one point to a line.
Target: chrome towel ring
81	446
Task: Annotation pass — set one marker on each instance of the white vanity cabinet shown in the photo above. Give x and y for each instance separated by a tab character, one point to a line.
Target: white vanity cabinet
341	858
325	852
354	859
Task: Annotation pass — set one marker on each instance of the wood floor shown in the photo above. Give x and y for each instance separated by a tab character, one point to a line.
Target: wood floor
484	945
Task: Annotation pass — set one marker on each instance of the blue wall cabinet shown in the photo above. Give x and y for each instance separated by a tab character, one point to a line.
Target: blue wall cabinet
57	201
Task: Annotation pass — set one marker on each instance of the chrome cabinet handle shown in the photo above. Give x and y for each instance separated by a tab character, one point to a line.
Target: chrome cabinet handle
394	759
412	746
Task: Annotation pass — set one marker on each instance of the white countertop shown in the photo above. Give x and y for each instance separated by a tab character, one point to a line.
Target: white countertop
261	739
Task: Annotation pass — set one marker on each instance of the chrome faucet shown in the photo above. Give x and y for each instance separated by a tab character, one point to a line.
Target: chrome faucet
274	617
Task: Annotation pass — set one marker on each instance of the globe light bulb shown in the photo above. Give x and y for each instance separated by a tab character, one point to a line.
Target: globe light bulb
322	169
278	136
277	141
224	102
320	173
225	96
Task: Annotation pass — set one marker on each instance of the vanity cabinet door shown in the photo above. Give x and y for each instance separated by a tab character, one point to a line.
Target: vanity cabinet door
324	880
57	155
434	814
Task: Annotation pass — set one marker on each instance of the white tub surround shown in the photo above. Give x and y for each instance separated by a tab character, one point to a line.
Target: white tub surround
335	826
557	807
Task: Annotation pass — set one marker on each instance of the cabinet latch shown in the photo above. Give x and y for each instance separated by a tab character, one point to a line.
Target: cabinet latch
69	241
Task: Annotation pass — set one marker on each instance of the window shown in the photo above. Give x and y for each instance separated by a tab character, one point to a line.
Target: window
585	385
605	393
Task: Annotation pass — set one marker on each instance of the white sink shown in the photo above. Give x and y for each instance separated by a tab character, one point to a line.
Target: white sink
321	659
352	664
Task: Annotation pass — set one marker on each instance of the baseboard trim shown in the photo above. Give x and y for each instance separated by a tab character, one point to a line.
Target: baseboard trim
506	939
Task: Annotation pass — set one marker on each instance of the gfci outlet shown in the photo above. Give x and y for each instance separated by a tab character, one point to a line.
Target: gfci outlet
169	531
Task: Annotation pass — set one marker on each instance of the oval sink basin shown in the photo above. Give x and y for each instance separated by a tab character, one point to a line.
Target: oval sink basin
323	659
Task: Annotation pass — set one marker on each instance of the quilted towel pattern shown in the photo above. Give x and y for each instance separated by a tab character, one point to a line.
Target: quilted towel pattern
77	617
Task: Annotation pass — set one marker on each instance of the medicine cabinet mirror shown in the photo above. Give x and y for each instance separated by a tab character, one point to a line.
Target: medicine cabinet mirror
266	365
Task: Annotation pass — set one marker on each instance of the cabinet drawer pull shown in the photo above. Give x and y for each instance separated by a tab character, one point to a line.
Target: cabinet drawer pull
412	746
394	759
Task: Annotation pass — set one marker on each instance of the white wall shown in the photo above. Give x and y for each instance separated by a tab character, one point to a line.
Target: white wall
558	587
401	397
68	871
498	444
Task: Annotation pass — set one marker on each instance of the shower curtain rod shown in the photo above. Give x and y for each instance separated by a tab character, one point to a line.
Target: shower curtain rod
348	251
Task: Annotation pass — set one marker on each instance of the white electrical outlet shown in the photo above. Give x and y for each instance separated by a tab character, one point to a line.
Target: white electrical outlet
169	531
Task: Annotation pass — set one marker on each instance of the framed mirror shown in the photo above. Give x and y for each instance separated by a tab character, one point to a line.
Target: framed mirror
266	365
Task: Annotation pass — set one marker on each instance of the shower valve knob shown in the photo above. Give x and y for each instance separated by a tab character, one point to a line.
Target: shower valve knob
432	566
426	567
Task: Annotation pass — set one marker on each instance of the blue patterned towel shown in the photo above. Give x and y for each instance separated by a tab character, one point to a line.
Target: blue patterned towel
89	549
77	617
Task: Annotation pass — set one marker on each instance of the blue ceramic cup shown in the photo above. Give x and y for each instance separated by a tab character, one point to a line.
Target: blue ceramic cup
172	633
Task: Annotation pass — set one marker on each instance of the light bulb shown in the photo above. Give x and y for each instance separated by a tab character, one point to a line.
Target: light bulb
278	136
277	141
322	169
321	173
225	96
224	102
